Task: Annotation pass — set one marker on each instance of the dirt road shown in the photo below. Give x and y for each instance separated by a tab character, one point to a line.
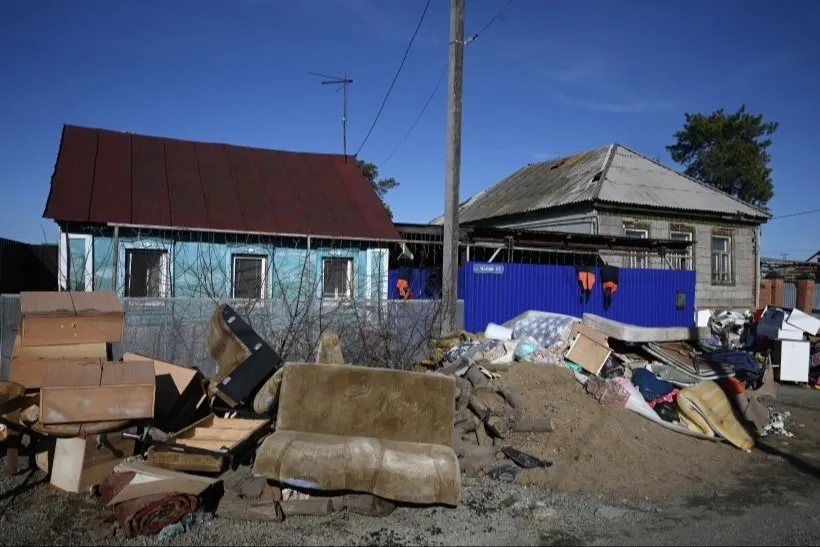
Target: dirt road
775	503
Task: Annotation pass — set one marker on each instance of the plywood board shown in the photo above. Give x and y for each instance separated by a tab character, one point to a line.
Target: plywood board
81	393
80	464
588	353
58	318
30	372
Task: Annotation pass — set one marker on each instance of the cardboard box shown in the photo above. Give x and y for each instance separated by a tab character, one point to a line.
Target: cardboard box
57	318
28	363
180	398
80	393
79	463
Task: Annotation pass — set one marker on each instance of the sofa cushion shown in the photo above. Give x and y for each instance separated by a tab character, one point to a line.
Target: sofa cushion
401	471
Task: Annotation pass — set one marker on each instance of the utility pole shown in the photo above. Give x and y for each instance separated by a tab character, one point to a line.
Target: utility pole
452	175
344	81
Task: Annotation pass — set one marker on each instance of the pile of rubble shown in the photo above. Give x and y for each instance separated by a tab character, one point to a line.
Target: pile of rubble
713	382
261	440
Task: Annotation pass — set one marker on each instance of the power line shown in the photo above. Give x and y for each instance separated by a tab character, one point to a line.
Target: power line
494	18
800	214
418	118
396	77
473	38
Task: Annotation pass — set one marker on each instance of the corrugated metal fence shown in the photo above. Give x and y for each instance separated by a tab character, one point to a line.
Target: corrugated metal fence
790	296
496	292
176	329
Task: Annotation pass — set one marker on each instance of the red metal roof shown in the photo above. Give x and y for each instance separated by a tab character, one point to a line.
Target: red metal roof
104	176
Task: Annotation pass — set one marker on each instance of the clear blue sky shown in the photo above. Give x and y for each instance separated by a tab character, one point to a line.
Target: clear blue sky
551	78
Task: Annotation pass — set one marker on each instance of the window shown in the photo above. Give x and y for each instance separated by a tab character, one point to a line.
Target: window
721	259
682	260
79	263
637	259
249	275
337	277
146	273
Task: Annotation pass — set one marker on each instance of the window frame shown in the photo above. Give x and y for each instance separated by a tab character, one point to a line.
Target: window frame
635	258
729	254
263	286
687	255
350	292
88	265
163	273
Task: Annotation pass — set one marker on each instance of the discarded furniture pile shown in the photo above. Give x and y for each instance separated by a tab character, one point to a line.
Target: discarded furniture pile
714	382
261	440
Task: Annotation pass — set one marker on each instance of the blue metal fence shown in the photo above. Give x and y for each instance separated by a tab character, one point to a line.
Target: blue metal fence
421	283
498	292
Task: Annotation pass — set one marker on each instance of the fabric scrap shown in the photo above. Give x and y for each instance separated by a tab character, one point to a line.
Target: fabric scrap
607	392
650	386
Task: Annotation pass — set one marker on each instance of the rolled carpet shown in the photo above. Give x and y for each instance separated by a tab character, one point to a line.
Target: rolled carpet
148	515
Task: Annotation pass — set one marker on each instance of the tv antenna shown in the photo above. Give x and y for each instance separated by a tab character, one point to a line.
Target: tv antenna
343	82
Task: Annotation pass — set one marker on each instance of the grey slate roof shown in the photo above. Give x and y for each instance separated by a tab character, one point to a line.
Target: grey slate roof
611	174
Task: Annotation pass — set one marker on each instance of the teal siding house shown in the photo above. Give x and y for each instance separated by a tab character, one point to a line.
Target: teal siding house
157	217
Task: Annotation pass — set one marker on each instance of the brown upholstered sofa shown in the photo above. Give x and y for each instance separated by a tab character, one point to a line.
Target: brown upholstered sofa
353	428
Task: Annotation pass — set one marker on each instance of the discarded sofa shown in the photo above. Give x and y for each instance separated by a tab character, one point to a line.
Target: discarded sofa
377	431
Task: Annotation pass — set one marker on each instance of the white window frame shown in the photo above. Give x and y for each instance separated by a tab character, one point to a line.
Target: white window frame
65	266
637	259
350	281
163	273
263	286
719	277
684	258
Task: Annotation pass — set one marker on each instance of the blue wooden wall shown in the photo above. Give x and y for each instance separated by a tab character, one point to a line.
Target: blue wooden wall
203	268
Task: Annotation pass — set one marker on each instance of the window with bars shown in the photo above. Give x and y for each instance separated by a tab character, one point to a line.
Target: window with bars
721	260
337	277
249	276
682	260
637	259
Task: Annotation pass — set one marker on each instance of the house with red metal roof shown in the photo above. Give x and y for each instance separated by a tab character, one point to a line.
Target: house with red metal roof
159	217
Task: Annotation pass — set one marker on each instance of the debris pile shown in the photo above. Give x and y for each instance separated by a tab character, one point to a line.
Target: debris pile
262	440
715	382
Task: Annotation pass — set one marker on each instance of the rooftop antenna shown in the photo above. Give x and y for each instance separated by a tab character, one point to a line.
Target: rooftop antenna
343	82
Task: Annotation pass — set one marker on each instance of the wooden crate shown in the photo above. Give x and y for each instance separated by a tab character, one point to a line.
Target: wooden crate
81	393
210	433
57	318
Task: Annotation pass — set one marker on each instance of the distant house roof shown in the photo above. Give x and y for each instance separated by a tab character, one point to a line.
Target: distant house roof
104	176
612	174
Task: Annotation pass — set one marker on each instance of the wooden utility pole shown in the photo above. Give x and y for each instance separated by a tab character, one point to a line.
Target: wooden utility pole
452	176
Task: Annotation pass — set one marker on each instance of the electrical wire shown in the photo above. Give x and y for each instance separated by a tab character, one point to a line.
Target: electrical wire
473	38
800	214
494	18
418	118
396	77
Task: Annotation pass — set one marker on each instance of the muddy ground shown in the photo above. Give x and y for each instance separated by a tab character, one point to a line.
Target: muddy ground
770	498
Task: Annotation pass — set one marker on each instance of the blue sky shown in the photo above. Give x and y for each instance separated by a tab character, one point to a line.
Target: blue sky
550	78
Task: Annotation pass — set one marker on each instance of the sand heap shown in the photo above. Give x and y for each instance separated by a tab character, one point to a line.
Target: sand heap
593	447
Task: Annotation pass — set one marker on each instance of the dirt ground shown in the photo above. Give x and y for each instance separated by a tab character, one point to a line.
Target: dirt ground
607	487
611	451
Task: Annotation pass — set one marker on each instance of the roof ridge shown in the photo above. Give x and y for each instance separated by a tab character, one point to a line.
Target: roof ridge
765	212
610	154
192	141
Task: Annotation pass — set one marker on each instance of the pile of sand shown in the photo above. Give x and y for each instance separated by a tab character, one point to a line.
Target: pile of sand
609	450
